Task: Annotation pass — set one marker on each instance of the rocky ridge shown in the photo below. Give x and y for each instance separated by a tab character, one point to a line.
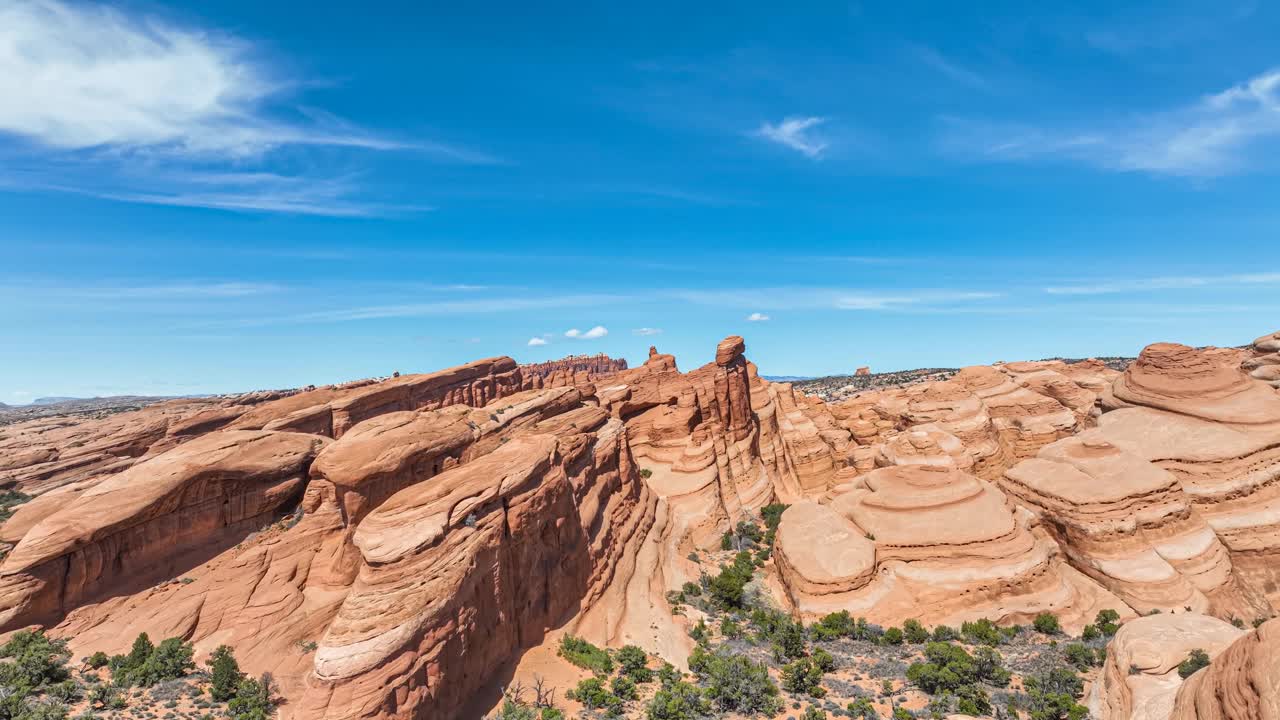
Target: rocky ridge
423	530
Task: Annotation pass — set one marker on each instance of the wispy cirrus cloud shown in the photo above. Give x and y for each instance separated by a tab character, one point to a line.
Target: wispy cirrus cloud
808	298
486	305
646	331
1225	132
1165	283
536	342
950	68
797	133
137	108
191	290
757	317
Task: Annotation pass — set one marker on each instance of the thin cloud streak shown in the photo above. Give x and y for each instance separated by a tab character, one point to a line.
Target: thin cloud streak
444	307
796	133
1165	283
1210	137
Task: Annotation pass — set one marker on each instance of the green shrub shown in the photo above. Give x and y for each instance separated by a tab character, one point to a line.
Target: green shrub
1081	656
646	473
948	668
97	660
772	515
171	659
1052	695
1196	660
1107	622
814	713
726	589
944	633
623	687
749	531
1089	633
33	662
585	655
862	707
803	677
10	499
736	684
834	625
981	632
512	710
915	632
892	636
253	700
1047	624
594	696
678	701
224	673
634	663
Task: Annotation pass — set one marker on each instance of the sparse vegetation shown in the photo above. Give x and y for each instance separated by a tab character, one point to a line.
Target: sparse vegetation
1196	660
585	655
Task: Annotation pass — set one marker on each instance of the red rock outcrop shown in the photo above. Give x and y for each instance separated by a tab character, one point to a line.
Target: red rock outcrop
509	545
1140	677
1197	415
1264	364
460	516
137	527
1128	525
927	542
1241	683
572	370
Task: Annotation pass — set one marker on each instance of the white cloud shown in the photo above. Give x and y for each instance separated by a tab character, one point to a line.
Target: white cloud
137	108
1165	283
598	331
1217	134
757	317
83	75
796	133
536	342
646	331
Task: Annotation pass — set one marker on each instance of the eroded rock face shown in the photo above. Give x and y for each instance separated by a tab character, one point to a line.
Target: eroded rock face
1199	383
137	527
1264	364
1128	524
1196	415
509	546
1140	678
1243	681
461	515
579	370
926	542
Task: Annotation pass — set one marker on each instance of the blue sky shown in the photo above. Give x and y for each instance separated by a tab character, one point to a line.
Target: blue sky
236	195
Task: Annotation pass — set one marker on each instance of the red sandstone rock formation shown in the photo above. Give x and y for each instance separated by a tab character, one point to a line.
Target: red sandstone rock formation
572	370
461	515
1241	683
1140	678
927	542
